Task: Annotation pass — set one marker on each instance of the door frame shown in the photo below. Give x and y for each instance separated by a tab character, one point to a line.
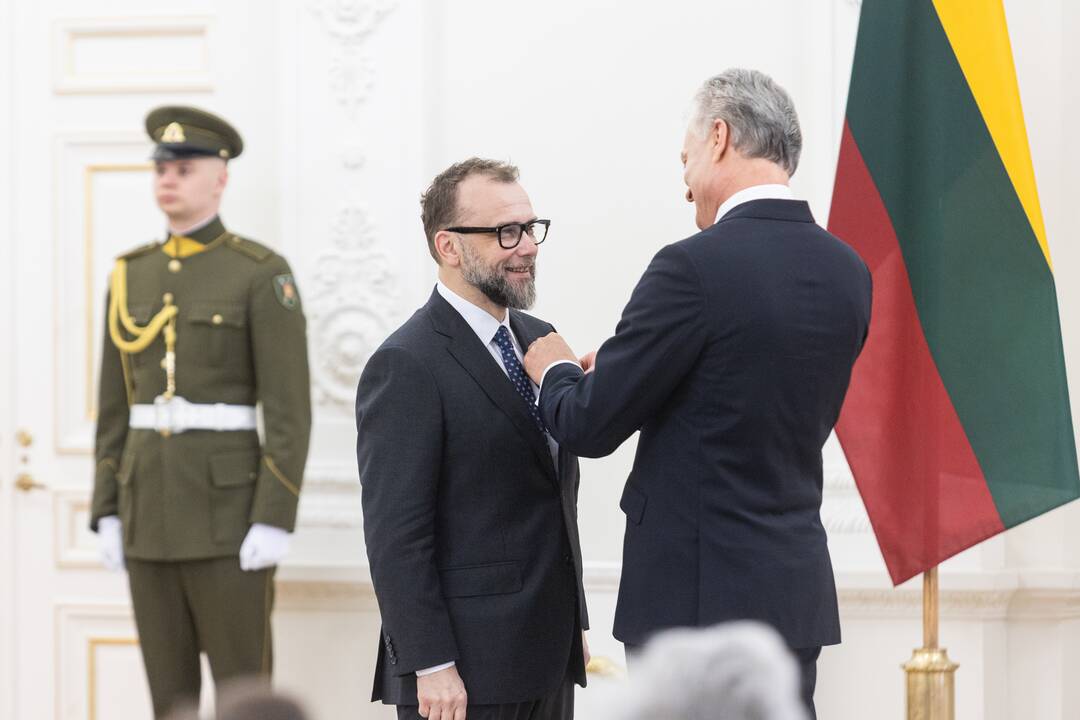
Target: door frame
8	315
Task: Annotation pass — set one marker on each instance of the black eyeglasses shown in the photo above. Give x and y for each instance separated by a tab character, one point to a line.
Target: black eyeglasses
510	234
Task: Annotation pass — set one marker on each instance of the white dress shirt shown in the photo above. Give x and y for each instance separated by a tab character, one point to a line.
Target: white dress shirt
754	192
485	327
482	323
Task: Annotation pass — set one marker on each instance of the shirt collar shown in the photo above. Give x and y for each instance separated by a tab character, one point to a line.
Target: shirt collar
477	318
193	229
755	192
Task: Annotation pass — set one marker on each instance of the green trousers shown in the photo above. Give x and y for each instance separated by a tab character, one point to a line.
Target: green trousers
190	607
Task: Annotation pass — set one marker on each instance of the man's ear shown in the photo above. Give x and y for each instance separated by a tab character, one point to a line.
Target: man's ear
222	176
720	136
447	248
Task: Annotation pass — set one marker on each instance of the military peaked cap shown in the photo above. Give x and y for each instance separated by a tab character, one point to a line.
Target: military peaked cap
180	131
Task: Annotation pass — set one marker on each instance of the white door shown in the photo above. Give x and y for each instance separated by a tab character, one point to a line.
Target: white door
77	193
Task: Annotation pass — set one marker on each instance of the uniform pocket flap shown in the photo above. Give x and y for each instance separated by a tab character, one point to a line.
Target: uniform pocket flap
217	314
492	579
234	468
633	503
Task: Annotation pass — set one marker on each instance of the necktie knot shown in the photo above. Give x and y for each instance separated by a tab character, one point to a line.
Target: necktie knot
502	338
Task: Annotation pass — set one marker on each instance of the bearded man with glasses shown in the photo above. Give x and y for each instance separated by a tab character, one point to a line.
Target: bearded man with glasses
470	507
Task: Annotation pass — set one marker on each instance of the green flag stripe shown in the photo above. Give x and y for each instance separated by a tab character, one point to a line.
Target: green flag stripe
984	294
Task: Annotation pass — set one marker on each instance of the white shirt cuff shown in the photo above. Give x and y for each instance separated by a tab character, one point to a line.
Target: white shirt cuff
437	668
540	387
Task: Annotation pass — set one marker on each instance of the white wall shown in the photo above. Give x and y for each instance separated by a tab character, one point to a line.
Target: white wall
600	156
591	102
350	107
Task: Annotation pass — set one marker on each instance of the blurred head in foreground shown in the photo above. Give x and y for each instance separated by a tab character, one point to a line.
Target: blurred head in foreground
734	671
249	699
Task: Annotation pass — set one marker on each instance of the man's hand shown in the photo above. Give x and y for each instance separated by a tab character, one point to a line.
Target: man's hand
548	349
585	648
263	547
588	362
441	695
111	542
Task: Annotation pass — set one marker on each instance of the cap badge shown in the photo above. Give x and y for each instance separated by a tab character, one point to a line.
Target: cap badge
174	133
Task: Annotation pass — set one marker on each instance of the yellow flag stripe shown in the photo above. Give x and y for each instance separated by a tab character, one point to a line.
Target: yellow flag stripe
979	38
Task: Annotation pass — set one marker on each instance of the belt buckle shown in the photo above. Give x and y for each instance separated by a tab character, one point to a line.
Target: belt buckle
163	415
171	415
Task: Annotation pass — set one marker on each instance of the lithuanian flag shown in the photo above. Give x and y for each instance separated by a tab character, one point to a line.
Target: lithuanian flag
956	425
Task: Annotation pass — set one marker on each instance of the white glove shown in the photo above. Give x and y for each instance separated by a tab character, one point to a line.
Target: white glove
264	546
111	542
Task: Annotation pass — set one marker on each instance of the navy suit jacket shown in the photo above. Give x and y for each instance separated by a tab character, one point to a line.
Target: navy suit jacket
471	530
732	358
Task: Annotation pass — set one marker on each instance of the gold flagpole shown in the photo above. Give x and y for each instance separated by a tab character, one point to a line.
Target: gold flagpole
930	673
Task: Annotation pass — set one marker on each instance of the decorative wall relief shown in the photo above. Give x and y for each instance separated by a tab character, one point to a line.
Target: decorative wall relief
352	288
351	295
351	80
350	21
352	70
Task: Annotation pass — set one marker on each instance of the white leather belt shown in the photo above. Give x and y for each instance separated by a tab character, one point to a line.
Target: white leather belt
176	415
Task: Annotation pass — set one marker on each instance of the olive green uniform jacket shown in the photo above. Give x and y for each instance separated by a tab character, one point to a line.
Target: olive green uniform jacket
240	340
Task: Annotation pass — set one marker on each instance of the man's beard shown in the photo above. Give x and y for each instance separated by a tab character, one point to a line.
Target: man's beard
494	284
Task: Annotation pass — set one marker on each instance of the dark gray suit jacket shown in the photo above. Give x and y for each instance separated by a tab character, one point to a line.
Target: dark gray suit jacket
732	358
471	531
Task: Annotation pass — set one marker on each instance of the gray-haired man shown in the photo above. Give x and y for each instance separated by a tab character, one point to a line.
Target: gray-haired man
732	357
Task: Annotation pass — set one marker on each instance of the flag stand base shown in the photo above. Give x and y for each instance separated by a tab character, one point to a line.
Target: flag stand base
930	687
930	672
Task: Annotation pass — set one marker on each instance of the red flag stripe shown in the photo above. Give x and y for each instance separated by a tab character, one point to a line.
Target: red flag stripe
923	488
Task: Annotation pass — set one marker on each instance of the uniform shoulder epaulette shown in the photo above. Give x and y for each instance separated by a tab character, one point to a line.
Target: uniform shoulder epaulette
256	251
141	250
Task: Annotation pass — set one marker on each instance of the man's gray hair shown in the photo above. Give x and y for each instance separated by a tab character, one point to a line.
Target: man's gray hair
734	671
759	113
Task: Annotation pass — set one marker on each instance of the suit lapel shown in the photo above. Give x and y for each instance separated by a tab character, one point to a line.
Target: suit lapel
468	350
525	331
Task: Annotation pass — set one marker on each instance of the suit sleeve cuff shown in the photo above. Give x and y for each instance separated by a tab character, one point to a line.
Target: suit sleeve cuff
543	377
435	669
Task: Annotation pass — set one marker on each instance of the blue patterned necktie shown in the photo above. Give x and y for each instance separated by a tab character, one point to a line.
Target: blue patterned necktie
517	374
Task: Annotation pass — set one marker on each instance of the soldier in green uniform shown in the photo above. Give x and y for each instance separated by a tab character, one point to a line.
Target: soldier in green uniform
200	328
